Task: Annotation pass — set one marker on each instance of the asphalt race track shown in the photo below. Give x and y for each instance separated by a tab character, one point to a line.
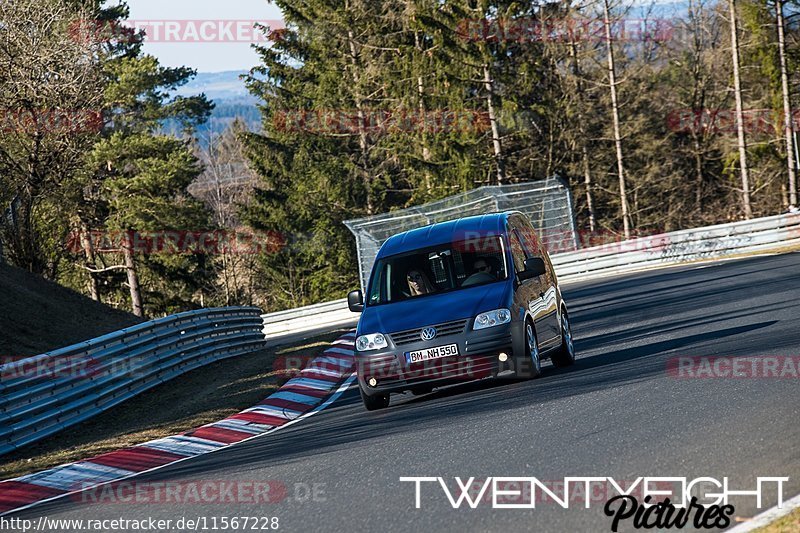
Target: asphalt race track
617	413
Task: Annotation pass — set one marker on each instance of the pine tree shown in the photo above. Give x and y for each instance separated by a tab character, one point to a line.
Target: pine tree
135	179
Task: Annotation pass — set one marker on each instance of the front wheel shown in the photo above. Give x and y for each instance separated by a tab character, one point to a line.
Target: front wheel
530	366
565	355
373	403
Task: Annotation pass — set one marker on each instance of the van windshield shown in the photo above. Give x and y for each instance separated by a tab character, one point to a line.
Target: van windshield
437	269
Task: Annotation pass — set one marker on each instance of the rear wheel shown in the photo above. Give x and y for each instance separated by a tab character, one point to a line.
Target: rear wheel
373	403
565	355
531	366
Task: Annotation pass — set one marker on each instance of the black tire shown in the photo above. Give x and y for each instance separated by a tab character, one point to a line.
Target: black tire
374	403
565	355
530	366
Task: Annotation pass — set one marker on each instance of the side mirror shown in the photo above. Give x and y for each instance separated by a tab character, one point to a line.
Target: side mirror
355	301
534	267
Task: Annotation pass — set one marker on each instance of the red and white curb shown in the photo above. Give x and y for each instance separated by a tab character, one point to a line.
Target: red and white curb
325	379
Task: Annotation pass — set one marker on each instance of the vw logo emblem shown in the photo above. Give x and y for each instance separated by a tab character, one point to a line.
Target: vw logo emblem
428	333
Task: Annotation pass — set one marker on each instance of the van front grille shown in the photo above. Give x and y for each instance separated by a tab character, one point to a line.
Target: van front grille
442	330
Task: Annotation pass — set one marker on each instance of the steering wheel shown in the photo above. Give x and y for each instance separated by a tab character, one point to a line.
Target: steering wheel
478	278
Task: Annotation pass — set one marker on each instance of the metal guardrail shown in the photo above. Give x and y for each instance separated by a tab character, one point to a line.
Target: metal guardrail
46	393
310	318
39	402
709	242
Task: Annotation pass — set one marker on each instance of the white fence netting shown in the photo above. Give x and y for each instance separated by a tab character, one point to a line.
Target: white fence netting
548	204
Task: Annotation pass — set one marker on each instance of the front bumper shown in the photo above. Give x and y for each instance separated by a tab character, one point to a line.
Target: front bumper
477	358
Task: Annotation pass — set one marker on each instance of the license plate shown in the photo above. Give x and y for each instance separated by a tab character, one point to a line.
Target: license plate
431	353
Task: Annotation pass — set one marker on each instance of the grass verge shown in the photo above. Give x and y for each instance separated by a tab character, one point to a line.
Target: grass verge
202	396
787	524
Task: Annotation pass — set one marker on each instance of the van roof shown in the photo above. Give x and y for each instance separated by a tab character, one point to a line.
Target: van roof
444	232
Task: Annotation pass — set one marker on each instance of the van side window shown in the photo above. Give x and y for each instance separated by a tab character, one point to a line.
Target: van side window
529	241
517	251
379	285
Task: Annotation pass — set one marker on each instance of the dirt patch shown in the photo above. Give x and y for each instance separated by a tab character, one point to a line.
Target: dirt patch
37	315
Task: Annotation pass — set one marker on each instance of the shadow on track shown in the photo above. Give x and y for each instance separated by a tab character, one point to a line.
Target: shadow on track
634	310
347	424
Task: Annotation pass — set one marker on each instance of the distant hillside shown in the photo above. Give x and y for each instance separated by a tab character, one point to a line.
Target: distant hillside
218	86
37	315
231	98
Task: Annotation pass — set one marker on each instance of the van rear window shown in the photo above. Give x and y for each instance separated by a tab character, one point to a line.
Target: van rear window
436	269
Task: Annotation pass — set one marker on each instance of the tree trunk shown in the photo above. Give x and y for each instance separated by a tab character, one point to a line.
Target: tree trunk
579	94
698	172
23	242
362	133
623	197
88	251
787	108
498	149
698	103
133	276
737	90
426	152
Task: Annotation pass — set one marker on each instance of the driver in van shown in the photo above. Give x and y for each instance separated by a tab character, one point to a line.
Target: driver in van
482	265
418	282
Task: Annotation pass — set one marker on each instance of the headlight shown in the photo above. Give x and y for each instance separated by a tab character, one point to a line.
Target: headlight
373	341
492	318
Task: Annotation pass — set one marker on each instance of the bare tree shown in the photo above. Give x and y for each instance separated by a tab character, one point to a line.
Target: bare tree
224	186
787	108
737	91
356	72
50	96
133	274
409	15
128	264
699	87
91	260
612	83
582	133
488	83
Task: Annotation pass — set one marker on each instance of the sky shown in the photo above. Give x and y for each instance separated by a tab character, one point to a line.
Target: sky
194	43
206	19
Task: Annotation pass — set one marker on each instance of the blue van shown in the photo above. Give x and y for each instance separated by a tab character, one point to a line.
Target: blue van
457	301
